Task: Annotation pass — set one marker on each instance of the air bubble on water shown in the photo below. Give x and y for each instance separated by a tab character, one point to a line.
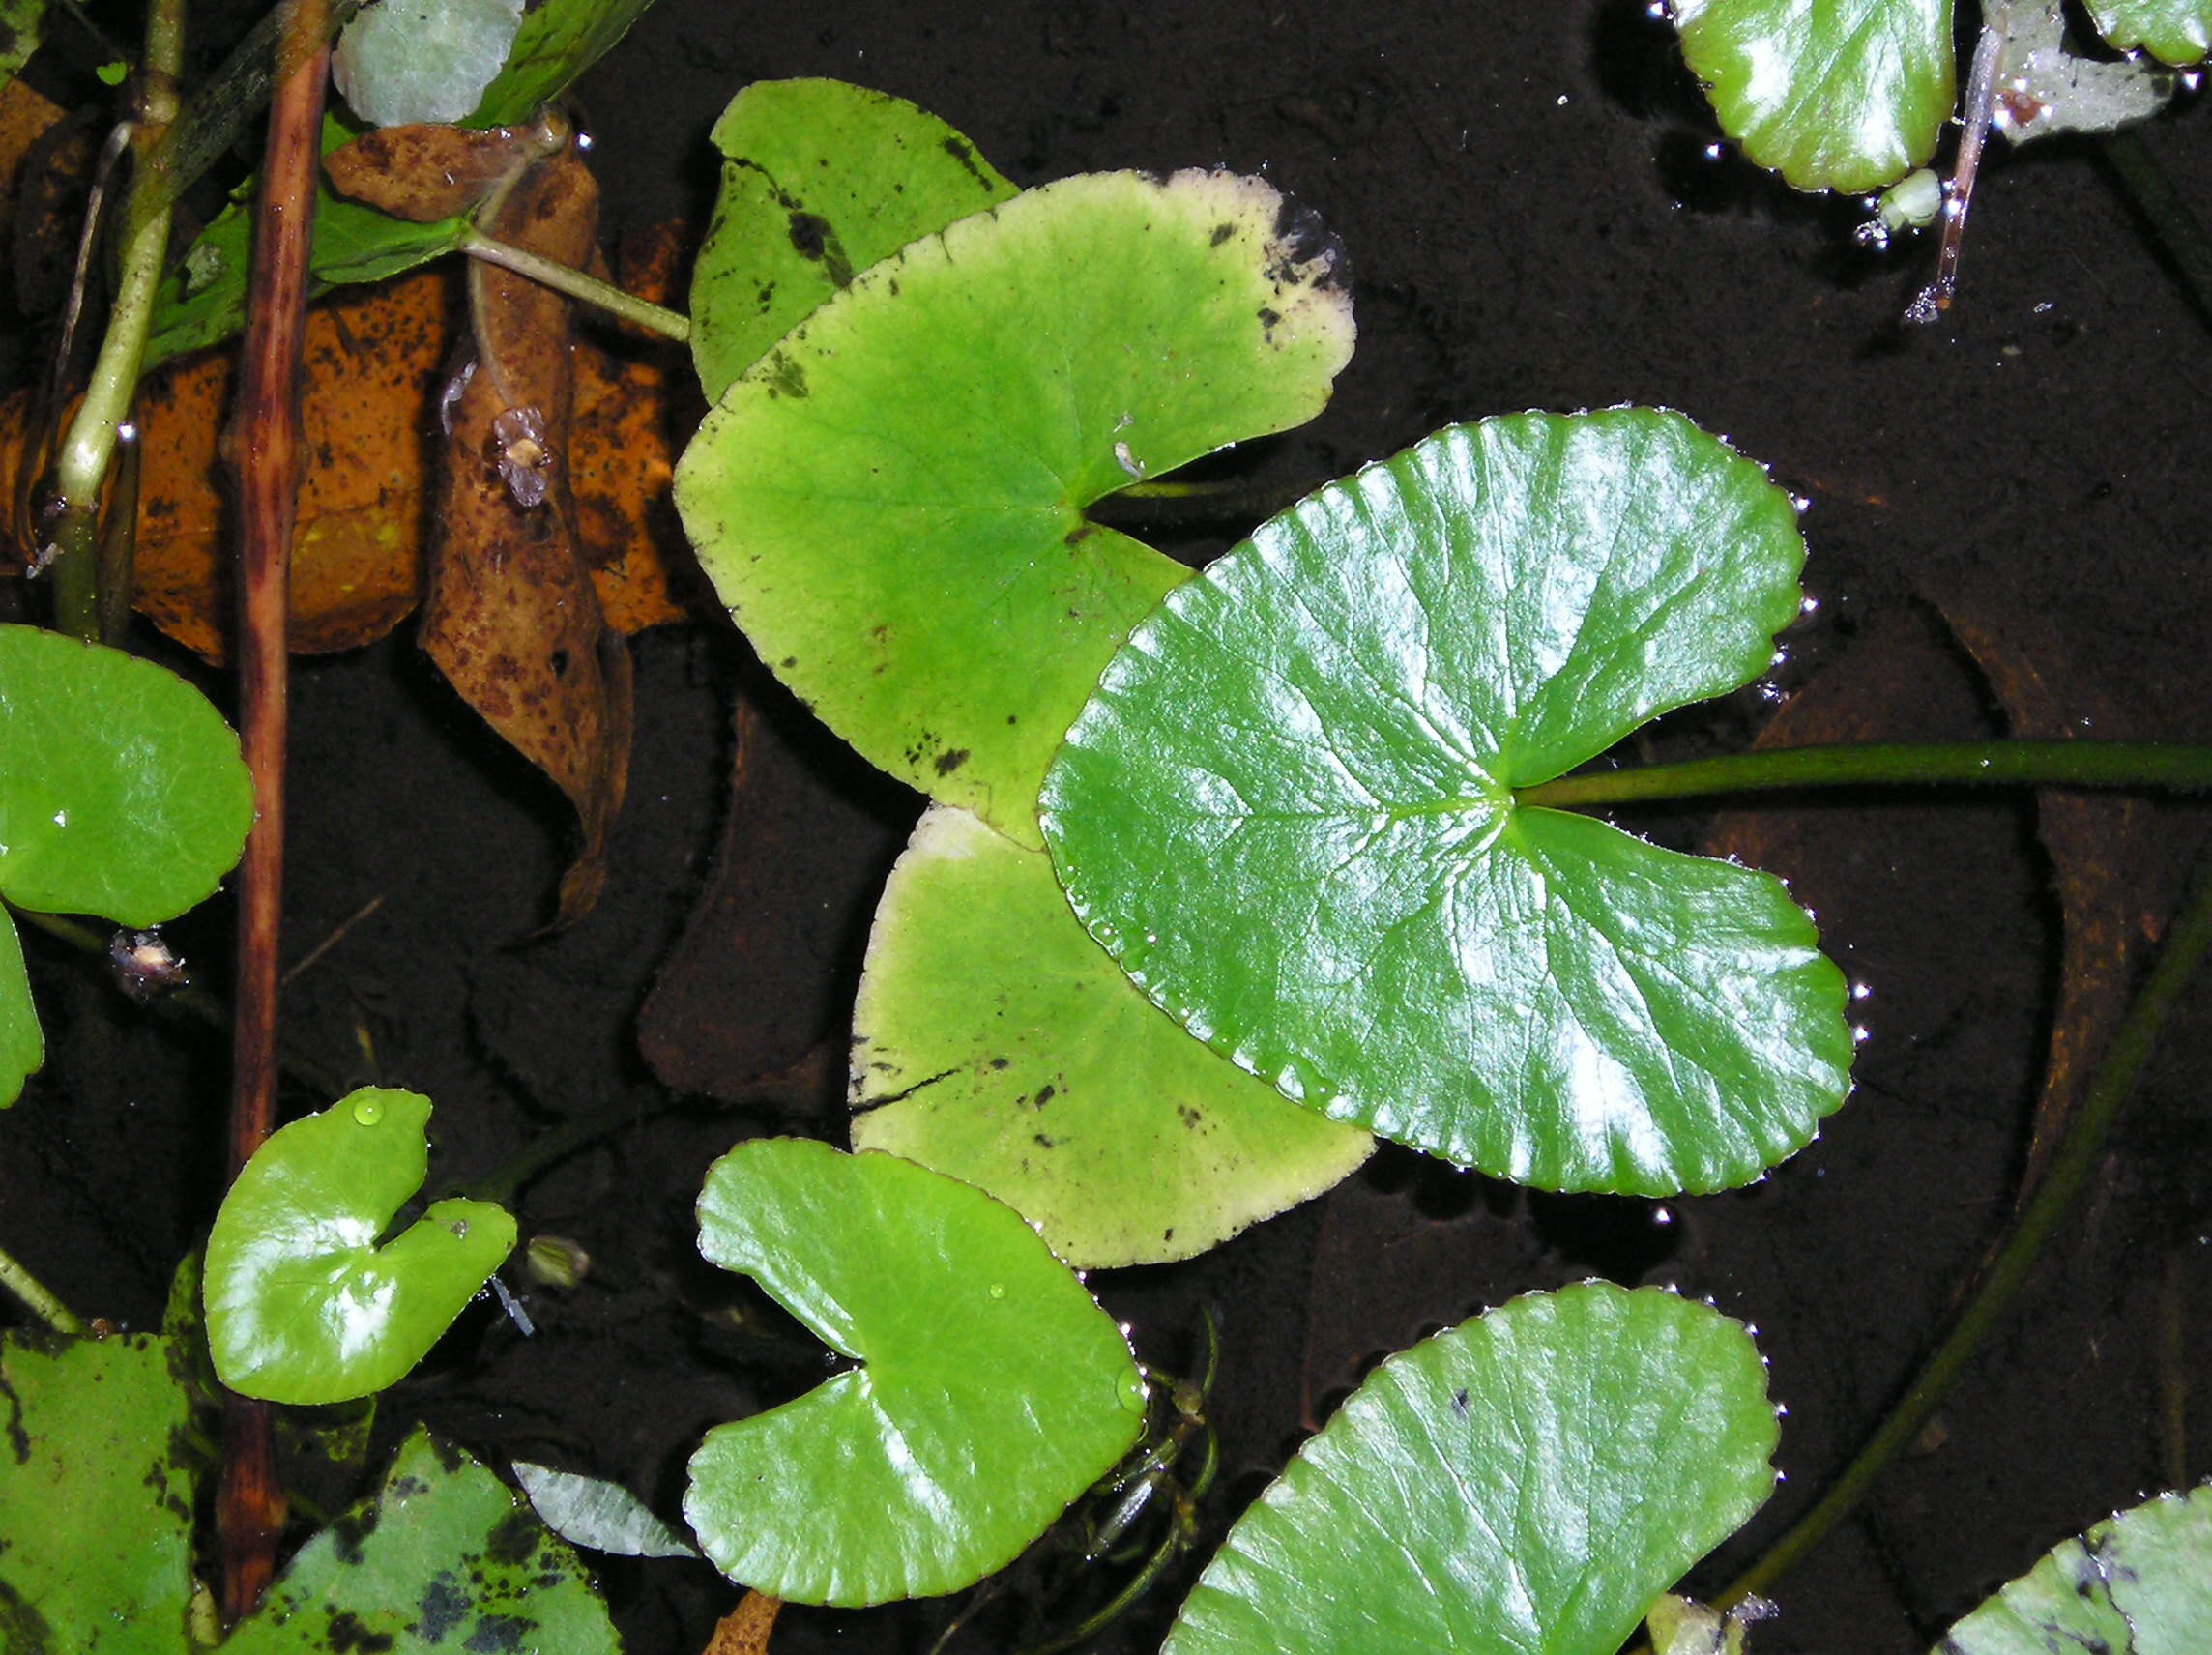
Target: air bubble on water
367	1111
1861	990
1713	153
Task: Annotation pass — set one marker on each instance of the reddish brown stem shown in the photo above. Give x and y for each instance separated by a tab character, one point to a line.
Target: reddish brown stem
264	446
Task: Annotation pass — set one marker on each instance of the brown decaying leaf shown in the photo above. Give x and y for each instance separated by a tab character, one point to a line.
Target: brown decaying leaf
744	1630
511	617
766	964
2097	843
423	174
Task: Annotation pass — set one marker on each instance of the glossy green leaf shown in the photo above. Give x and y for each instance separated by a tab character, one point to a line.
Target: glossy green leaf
303	1304
2137	1584
22	24
22	1045
121	790
560	40
1288	811
2178	31
990	1388
95	1499
202	300
819	180
443	1558
1528	1481
597	1515
404	63
995	1041
1846	95
892	501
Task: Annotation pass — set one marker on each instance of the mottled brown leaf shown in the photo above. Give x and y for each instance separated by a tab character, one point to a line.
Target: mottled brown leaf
423	174
744	1630
511	617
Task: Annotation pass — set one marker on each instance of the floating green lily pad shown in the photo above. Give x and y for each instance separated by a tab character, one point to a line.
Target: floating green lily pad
443	1558
1847	95
2137	1584
2178	31
995	1041
990	1391
303	1303
122	795
1289	812
96	1497
819	180
892	501
1528	1481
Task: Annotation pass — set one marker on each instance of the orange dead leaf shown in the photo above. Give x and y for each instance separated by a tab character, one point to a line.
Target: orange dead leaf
744	1630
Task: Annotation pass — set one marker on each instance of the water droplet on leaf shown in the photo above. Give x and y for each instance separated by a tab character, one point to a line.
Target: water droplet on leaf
367	1111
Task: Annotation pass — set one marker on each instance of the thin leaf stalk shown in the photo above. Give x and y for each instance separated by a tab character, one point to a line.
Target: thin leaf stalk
37	1299
87	449
590	290
264	445
2174	766
2032	1230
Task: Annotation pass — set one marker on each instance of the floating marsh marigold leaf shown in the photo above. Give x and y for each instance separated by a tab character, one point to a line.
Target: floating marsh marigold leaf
2178	31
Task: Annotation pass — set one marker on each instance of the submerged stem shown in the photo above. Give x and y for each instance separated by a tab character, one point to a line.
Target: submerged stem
36	1299
2109	1088
2065	762
564	278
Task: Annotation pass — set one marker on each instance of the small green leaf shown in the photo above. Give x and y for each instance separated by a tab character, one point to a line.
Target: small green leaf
21	25
443	1558
2137	1584
995	1041
1847	95
819	180
597	1515
121	790
303	1306
991	1388
404	63
1288	810
2178	31
95	1501
892	501
1528	1481
560	40
22	1044
112	73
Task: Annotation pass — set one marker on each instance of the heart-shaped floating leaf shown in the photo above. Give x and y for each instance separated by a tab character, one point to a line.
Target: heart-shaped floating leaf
1849	94
302	1306
992	1389
995	1042
96	1503
121	795
892	501
2137	1584
1530	1480
1288	811
819	180
2178	31
121	788
443	1557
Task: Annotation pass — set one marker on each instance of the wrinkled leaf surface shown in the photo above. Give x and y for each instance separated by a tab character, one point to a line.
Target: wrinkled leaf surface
1528	1481
303	1303
403	62
990	1389
892	501
1289	812
1841	95
819	180
95	1499
995	1041
2137	1584
599	1515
